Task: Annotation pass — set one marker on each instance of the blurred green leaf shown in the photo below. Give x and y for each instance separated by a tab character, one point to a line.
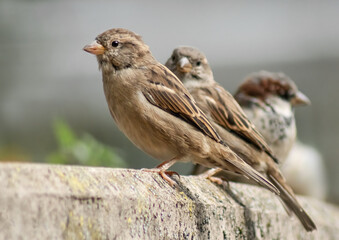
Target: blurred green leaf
81	151
63	133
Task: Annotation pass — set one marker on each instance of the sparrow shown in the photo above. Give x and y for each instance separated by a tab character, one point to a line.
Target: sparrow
268	99
150	105
192	68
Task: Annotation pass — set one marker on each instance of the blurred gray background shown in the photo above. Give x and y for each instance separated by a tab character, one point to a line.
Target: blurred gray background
44	73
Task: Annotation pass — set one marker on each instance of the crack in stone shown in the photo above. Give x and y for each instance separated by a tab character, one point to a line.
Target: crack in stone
202	218
249	223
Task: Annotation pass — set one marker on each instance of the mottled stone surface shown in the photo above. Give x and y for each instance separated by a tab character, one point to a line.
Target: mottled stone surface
68	202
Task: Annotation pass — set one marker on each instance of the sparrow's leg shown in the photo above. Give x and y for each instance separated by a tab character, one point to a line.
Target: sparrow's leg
209	175
161	169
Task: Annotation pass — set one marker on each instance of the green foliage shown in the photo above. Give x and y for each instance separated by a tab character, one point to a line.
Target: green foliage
81	151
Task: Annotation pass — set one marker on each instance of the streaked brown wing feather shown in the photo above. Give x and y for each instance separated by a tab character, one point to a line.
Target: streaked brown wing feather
227	113
165	91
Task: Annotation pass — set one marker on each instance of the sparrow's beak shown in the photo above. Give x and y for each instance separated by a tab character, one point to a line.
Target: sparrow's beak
300	99
184	65
94	48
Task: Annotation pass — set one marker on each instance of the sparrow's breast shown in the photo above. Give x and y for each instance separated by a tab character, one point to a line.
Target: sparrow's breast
277	125
135	117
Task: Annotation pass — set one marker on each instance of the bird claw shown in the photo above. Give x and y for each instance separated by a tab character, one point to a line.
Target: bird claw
164	174
209	175
216	180
171	173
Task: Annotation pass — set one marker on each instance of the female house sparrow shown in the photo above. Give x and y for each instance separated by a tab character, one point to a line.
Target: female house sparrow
155	111
268	99
192	68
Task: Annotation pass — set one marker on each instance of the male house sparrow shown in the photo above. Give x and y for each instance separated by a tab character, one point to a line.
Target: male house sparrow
268	99
192	68
154	110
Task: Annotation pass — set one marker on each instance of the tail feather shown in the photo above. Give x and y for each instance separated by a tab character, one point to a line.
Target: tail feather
254	175
229	160
289	199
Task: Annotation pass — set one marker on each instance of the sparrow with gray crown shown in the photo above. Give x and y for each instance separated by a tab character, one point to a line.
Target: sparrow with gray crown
229	120
268	99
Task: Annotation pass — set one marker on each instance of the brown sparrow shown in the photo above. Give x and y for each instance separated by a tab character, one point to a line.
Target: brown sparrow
192	68
268	99
155	111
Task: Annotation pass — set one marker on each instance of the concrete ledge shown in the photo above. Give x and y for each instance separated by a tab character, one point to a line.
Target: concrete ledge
67	202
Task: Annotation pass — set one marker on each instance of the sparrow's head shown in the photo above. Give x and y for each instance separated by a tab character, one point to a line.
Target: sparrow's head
189	64
119	48
263	85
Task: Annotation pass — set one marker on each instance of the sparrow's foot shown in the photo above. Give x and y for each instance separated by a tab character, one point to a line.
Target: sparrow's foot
215	180
171	173
162	171
209	175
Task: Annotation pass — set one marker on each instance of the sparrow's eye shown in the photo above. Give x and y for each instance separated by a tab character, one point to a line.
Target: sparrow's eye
173	58
115	43
290	94
198	63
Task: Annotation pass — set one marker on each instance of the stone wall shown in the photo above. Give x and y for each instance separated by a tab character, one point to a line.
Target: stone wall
69	202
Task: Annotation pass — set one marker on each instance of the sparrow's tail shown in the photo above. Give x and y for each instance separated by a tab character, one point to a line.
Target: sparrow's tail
230	161
289	199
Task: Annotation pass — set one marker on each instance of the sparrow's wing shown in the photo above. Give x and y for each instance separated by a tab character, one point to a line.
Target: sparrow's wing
165	91
226	112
